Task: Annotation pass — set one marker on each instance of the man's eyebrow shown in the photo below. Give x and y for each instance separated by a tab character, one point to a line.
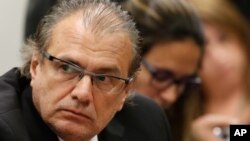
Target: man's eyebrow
71	61
109	70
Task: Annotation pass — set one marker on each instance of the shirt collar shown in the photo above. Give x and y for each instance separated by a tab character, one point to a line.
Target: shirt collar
93	139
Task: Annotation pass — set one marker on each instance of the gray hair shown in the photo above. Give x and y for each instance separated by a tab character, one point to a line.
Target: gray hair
99	16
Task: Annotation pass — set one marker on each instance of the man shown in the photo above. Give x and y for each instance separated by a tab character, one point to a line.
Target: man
77	73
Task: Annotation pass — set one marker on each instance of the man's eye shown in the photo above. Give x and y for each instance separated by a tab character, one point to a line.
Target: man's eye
101	77
67	68
104	79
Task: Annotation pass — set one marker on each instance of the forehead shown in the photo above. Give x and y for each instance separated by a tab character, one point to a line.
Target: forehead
180	56
71	39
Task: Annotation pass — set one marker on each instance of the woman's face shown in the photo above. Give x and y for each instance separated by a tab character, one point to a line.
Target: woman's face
178	58
224	59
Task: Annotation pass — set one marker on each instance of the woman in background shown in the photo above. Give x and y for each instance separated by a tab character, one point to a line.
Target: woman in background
172	45
224	97
172	48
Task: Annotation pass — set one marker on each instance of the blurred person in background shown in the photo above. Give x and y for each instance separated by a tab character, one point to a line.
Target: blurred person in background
224	96
172	45
243	7
172	48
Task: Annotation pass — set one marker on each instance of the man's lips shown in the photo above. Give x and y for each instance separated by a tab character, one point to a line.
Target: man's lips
76	113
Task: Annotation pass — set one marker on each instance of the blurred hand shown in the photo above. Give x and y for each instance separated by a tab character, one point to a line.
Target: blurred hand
203	128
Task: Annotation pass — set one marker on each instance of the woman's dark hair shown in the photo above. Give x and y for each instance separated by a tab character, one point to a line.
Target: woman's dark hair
164	20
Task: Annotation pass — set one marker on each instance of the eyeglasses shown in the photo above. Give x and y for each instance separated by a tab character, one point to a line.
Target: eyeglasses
70	72
164	78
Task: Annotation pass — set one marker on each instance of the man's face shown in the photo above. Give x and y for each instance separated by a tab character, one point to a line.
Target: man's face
78	110
178	59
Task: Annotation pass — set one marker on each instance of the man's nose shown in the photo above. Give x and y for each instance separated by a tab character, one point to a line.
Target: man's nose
83	90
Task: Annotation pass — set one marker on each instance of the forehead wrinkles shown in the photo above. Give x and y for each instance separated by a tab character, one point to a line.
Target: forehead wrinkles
114	49
71	32
115	44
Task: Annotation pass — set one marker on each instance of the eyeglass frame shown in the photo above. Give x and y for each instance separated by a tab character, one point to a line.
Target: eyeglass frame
83	72
192	79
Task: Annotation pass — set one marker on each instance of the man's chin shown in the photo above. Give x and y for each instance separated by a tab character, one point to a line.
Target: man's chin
69	130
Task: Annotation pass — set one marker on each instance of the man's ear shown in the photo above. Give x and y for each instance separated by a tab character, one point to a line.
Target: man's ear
34	65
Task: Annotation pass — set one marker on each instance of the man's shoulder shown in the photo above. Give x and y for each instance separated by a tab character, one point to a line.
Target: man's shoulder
142	109
10	113
18	119
141	119
9	89
142	104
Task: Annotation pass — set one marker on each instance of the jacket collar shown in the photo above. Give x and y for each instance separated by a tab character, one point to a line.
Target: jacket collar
113	132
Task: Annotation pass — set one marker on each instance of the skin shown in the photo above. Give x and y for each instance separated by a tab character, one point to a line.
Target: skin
224	51
181	57
202	128
74	111
223	82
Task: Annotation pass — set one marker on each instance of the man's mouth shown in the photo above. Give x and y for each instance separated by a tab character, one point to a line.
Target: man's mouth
75	114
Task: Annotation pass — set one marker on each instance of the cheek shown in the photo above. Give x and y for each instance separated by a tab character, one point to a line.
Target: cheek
40	94
47	94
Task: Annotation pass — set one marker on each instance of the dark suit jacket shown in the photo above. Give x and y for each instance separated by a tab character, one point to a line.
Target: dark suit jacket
141	120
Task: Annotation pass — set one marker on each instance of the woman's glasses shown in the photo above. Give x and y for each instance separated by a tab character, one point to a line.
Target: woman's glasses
164	78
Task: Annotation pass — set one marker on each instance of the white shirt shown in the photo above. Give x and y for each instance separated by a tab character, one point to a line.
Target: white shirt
93	139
